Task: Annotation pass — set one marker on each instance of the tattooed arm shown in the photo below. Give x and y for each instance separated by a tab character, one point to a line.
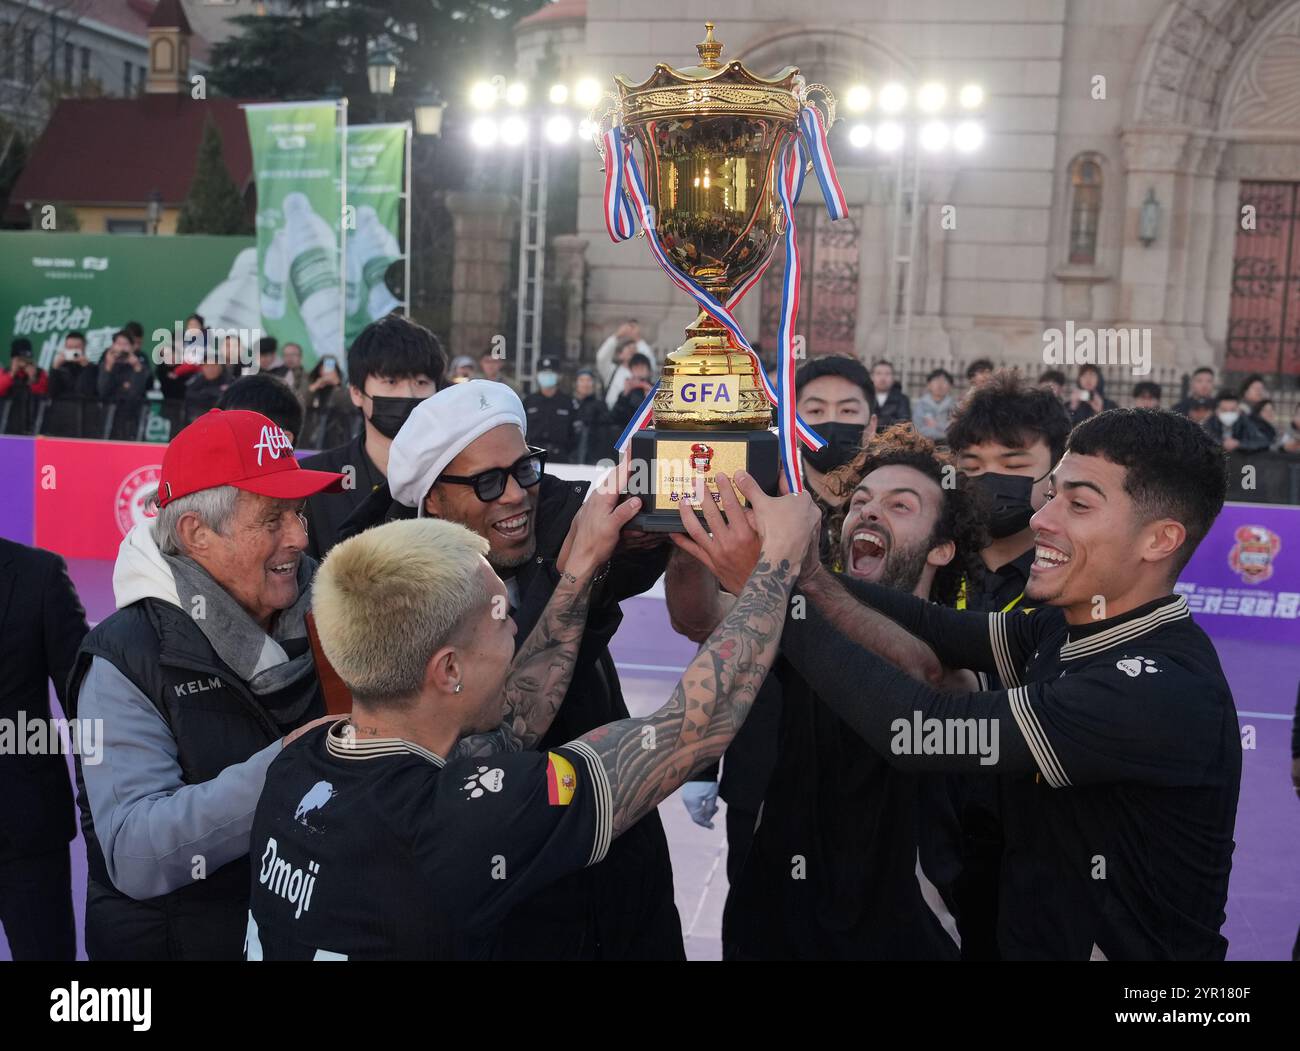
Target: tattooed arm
645	760
543	668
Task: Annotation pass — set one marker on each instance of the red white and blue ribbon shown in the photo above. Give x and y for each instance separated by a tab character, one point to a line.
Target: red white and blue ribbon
623	181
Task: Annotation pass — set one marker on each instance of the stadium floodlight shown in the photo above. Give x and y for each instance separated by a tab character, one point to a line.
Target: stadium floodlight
513	131
559	128
931	97
586	93
971	96
483	95
858	98
968	136
892	97
889	136
860	135
484	132
516	94
559	94
934	136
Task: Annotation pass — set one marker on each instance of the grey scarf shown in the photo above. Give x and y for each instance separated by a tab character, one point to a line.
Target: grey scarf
256	657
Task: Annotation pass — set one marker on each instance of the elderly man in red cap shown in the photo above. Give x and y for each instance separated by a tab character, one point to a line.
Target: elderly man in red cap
198	680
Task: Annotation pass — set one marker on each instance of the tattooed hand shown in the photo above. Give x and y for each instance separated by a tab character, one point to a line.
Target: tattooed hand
645	760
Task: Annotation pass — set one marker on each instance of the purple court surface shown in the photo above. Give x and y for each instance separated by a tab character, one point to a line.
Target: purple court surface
1264	895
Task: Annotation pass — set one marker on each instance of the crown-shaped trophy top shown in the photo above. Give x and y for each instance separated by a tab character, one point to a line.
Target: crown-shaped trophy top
709	49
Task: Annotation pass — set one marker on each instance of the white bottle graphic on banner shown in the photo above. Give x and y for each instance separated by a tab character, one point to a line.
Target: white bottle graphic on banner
275	276
378	250
314	273
231	305
356	282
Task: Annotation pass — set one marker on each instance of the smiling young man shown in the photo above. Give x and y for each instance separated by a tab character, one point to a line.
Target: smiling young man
1119	759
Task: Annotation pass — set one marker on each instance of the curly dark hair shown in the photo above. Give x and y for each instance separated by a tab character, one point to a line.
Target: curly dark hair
962	519
1009	411
1173	468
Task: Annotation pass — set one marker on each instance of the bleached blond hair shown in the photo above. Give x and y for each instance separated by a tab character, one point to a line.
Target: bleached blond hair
387	599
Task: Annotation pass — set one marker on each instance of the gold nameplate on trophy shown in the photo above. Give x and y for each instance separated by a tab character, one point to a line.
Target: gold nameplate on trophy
681	466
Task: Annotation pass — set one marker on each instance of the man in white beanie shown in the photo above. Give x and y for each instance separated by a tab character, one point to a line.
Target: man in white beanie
462	457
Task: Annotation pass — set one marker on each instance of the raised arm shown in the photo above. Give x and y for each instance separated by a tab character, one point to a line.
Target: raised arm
647	759
543	668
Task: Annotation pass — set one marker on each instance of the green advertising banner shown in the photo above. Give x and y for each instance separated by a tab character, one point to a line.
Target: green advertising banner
296	164
52	284
376	159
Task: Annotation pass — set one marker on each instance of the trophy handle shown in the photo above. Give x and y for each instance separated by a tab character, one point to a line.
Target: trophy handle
827	101
603	119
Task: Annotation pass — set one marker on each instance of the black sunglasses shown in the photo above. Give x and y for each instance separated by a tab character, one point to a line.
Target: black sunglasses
490	484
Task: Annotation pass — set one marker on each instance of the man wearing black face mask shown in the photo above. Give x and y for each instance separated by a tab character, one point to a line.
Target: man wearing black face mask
1006	436
393	365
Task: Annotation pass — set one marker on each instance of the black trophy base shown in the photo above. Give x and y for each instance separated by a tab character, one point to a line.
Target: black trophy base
666	467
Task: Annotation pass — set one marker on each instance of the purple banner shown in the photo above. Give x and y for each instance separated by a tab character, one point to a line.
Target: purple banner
1244	580
17	482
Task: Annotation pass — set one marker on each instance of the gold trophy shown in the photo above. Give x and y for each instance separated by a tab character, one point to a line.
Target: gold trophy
712	137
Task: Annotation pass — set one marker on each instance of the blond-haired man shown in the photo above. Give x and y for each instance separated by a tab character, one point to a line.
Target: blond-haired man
369	844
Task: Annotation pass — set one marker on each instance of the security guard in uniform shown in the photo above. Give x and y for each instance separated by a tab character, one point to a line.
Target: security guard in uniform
552	414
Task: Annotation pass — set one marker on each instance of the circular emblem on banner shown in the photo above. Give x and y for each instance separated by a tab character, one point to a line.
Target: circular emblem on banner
128	505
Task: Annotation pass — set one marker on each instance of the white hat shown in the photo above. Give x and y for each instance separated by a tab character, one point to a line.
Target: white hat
440	428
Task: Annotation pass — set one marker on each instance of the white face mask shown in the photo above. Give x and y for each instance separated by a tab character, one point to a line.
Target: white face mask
547	379
1228	418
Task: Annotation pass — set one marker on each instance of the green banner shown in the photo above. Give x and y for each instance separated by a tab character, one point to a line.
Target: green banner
376	158
52	284
296	154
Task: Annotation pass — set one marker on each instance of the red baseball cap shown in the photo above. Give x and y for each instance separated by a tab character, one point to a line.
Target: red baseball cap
240	448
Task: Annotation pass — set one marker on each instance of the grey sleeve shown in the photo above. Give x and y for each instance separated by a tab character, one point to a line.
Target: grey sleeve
152	826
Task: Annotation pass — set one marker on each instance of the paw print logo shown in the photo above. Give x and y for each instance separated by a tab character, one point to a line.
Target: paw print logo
1135	666
484	781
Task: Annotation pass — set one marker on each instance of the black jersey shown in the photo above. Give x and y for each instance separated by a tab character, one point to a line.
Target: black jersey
1119	752
377	849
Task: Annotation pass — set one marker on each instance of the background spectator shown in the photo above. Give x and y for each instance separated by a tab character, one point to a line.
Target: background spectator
292	372
205	388
933	410
1089	395
1146	395
612	356
636	387
595	422
978	372
892	405
1055	381
1290	442
462	369
1263	419
123	381
266	359
268	395
329	409
1232	428
1201	388
552	415
20	385
493	368
1253	391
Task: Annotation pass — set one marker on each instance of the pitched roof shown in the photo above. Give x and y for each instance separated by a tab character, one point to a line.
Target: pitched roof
116	151
167	14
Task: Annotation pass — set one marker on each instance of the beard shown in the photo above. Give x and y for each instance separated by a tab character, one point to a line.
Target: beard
904	567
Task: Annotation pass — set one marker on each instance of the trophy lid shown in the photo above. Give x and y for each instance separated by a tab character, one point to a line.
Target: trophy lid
713	86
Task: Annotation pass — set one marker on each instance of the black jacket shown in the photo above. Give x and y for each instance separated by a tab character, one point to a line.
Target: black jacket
896	409
326	512
552	424
622	909
160	649
41	626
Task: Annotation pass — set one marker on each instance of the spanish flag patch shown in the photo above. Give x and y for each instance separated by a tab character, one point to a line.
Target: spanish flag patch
561	781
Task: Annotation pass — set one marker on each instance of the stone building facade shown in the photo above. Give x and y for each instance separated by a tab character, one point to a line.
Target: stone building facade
1092	107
